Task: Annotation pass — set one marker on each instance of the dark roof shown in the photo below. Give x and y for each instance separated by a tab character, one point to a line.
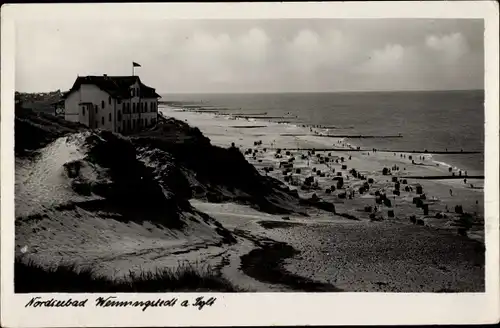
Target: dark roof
115	86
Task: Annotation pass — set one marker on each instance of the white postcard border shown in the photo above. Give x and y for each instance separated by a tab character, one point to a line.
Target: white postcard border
247	309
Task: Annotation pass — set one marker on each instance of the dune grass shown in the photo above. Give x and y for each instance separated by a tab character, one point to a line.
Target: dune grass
30	277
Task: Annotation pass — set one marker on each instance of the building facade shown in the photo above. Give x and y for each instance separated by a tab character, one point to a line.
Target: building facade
117	103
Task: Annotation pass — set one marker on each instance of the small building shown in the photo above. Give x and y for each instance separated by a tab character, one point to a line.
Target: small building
118	103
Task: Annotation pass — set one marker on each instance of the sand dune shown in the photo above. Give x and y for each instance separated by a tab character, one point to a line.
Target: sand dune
180	193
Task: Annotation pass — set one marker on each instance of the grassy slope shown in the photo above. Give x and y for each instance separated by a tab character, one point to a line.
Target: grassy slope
183	158
217	174
32	278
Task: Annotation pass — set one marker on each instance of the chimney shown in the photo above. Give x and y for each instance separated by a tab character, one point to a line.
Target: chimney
105	75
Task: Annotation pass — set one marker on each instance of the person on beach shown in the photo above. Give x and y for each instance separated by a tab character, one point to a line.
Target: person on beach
465	181
451	192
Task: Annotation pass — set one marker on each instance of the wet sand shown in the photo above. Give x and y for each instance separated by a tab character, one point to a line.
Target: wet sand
357	245
347	250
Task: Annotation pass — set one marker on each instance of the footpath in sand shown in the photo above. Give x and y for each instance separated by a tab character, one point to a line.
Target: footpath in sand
120	204
388	235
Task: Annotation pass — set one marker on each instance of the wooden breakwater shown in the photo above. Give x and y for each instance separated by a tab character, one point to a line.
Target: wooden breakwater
350	136
444	177
381	150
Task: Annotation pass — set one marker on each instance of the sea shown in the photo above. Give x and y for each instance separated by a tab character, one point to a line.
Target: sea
426	120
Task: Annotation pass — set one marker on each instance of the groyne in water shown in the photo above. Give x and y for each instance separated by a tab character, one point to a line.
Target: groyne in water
248	126
445	177
385	150
341	136
266	117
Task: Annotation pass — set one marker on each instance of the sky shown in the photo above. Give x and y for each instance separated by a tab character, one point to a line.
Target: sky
275	55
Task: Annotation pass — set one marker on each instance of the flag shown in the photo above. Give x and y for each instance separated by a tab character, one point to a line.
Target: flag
135	64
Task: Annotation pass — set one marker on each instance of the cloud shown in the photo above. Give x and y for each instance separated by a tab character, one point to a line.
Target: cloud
310	51
253	46
451	47
253	56
385	60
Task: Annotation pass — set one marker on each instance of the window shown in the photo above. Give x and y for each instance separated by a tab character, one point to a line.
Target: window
128	123
95	106
119	116
109	100
133	123
102	120
83	110
119	101
133	108
146	107
142	107
102	104
132	92
96	123
109	117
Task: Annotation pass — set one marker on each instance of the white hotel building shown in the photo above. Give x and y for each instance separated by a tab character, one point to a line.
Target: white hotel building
118	103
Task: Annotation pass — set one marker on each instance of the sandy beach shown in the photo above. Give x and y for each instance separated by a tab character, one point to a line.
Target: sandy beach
345	250
329	220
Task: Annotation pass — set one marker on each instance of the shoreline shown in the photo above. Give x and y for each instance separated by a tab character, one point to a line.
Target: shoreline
436	177
378	150
307	236
321	131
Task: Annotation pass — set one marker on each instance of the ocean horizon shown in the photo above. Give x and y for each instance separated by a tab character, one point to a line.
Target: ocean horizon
442	120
